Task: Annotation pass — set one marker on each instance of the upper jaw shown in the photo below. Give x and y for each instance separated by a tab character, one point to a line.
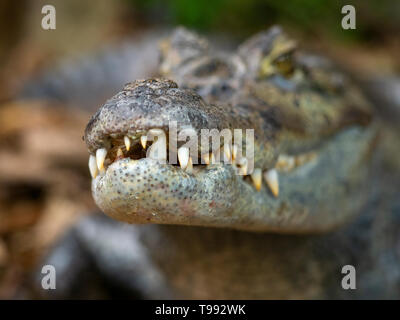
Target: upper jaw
147	104
153	105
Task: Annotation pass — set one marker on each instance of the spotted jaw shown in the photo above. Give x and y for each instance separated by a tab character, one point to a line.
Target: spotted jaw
146	190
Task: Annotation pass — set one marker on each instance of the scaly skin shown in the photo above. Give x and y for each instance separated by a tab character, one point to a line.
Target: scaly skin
296	105
300	105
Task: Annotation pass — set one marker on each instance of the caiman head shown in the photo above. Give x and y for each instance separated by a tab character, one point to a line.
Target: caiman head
299	163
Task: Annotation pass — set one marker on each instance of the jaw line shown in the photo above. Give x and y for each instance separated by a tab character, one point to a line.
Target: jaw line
218	197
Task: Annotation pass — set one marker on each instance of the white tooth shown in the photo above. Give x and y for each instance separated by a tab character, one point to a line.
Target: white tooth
189	167
100	157
93	166
271	177
242	163
127	142
219	155
183	156
243	169
234	151
227	152
290	163
158	149
256	176
285	163
206	158
120	154
212	158
143	141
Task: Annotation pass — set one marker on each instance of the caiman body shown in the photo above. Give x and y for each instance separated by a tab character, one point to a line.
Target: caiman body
314	133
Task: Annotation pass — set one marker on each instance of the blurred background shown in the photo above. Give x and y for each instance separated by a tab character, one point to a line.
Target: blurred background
52	80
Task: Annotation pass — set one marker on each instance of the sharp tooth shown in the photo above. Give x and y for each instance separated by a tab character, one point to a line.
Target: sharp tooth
93	166
127	142
183	156
206	158
100	157
219	155
212	158
234	151
243	169
271	177
189	167
256	176
227	152
120	154
143	141
242	163
285	163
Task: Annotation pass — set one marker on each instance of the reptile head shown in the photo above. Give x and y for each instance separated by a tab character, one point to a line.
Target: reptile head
307	157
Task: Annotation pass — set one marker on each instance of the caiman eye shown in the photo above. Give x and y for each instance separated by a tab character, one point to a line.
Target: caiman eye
284	65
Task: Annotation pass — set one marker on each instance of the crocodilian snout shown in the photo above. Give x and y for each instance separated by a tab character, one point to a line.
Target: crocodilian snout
132	187
155	103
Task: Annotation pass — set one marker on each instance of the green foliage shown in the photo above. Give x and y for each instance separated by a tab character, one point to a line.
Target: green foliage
243	17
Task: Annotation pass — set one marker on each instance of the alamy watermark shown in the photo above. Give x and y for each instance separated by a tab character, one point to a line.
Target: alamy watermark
215	146
49	279
49	18
349	20
349	280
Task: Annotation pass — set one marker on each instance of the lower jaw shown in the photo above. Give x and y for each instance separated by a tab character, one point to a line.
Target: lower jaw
316	197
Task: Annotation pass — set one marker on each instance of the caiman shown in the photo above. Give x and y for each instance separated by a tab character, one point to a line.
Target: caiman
280	221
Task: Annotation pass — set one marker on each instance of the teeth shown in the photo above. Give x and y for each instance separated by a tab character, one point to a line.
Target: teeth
143	141
189	167
100	157
285	163
127	142
217	155
93	166
183	156
256	176
242	163
227	152
212	158
304	158
271	177
288	163
206	158
234	151
120	154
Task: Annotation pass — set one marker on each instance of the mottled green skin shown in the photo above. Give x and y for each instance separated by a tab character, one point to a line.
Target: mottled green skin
325	114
